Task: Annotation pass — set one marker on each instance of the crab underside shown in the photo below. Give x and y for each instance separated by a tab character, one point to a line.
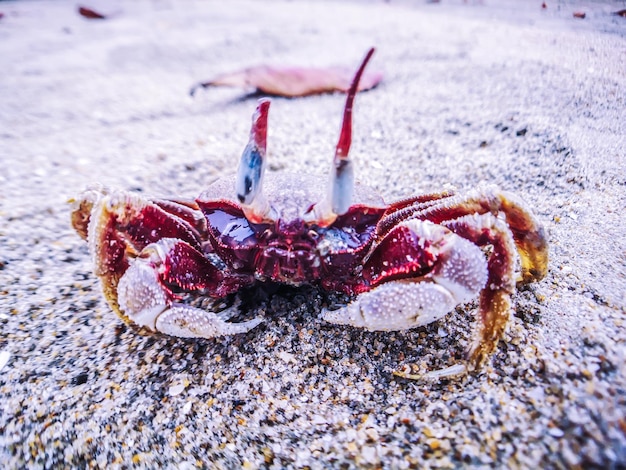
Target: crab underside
404	264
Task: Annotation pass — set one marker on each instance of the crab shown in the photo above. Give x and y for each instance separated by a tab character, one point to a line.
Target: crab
403	264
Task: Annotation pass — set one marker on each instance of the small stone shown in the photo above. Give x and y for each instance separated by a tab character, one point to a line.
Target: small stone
176	389
372	434
4	358
186	408
434	444
556	432
287	357
368	454
569	455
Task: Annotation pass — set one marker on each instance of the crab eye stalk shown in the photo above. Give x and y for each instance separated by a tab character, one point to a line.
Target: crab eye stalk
339	197
248	185
342	176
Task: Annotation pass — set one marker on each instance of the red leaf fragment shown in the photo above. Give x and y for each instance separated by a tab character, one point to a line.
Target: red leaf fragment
621	13
91	14
580	14
292	81
544	5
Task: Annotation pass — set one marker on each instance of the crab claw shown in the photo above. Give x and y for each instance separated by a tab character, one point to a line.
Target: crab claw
146	300
248	185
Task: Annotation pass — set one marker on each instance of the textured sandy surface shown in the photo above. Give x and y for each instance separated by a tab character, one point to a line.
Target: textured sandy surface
530	100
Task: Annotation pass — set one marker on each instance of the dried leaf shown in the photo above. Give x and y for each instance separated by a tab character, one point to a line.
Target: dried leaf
580	14
292	81
91	14
621	13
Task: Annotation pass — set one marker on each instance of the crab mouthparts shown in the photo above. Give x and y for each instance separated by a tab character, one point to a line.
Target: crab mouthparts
249	180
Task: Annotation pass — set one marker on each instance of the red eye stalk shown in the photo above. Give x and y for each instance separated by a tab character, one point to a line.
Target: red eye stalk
342	176
345	138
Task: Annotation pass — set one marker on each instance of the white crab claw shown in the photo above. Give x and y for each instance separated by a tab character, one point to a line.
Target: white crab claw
396	305
458	275
146	303
185	321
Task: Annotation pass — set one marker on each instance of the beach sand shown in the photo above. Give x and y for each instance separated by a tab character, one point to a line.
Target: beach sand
528	99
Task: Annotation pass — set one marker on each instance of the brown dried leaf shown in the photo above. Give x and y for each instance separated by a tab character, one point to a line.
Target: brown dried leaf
621	13
292	81
91	14
580	14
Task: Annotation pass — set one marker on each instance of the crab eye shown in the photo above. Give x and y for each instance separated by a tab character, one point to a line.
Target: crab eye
342	186
249	175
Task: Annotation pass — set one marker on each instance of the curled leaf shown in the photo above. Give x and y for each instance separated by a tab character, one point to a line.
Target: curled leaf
292	81
580	14
91	14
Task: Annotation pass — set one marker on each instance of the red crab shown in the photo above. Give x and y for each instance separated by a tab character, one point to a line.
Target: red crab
406	264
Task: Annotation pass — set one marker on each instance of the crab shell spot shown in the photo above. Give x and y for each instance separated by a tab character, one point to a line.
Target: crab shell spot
233	230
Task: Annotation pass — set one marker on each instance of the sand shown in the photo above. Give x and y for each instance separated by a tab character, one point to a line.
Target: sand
529	99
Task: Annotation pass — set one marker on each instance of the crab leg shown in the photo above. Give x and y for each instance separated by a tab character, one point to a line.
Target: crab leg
407	208
495	299
146	298
420	271
186	210
527	232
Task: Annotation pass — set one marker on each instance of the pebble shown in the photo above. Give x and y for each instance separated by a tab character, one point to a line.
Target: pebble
5	356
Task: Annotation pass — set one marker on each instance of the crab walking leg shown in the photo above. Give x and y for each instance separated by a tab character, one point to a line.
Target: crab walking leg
528	233
406	208
146	299
188	211
495	299
434	270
